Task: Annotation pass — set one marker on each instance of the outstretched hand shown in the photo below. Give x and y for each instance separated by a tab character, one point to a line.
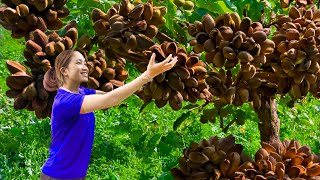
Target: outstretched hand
155	69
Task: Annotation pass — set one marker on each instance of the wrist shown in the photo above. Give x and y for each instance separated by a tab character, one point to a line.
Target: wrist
147	76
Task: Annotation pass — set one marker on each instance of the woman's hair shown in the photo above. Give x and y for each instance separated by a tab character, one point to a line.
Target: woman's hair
62	61
53	78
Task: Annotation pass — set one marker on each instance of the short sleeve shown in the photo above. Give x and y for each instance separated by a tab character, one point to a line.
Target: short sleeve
87	91
68	106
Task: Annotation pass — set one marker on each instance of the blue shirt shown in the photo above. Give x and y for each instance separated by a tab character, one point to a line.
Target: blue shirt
72	136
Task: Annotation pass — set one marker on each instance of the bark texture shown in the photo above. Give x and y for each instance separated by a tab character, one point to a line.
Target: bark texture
269	123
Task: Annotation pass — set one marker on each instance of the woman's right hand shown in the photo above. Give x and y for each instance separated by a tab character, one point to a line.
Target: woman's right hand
155	69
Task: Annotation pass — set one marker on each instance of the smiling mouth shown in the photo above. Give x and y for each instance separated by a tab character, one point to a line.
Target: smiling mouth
85	74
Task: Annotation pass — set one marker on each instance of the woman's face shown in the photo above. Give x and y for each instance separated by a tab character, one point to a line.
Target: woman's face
77	70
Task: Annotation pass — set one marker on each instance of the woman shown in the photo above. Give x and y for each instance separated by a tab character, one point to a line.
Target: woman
72	118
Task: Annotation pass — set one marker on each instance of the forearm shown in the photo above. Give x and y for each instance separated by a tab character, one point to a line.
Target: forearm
113	98
128	89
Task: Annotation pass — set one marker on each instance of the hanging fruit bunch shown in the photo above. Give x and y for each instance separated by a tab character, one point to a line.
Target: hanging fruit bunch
26	87
283	160
128	29
105	74
28	91
185	81
210	159
22	17
42	49
229	42
295	59
223	159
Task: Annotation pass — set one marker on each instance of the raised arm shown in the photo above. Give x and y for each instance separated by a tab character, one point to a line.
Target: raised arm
113	98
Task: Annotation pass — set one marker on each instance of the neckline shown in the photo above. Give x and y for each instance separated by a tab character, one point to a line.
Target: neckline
65	89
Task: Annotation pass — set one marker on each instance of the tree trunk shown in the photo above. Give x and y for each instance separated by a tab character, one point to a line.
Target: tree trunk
269	123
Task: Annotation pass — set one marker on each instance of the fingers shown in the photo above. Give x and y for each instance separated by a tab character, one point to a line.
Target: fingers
170	65
167	59
152	59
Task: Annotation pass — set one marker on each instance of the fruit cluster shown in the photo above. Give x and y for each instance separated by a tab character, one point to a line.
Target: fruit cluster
22	17
223	159
210	159
28	91
295	59
228	42
283	160
27	87
42	49
127	27
185	81
105	74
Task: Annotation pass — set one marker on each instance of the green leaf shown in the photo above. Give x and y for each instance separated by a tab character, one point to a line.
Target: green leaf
170	16
240	116
180	120
135	136
255	10
215	7
190	106
154	141
180	33
144	105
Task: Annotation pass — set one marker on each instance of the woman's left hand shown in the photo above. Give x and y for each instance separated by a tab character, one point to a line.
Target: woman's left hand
155	69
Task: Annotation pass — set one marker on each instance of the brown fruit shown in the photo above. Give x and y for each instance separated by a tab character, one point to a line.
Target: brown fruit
49	49
229	53
97	14
107	87
147	12
278	38
31	19
59	47
14	66
72	33
93	83
245	24
136	12
219	60
237	20
117	26
22	10
67	42
267	47
259	36
63	12
209	46
244	56
151	31
20	102
33	47
294	13
292	34
51	15
237	41
40	38
226	32
175	100
208	23
191	82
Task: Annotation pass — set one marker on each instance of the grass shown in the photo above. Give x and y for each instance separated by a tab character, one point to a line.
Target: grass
129	144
